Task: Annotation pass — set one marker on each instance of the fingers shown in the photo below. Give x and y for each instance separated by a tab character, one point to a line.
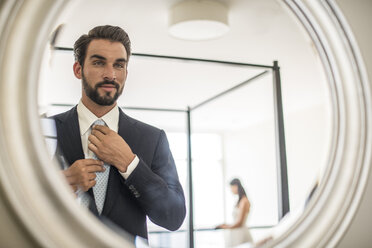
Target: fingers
92	161
91	176
86	185
85	177
95	168
93	148
88	179
102	129
94	140
72	180
74	188
84	182
98	134
67	173
82	173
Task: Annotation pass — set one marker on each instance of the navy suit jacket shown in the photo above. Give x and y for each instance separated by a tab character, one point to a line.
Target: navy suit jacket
152	189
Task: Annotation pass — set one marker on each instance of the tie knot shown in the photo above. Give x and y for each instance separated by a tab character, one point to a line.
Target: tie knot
99	122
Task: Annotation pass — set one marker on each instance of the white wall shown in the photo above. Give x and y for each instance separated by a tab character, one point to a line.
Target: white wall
250	155
307	138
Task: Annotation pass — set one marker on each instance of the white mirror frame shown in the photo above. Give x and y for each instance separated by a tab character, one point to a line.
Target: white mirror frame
38	202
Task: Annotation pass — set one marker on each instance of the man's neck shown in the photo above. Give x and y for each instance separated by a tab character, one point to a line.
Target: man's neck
96	109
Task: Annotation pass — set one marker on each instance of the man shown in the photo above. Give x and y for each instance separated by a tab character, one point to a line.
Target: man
141	178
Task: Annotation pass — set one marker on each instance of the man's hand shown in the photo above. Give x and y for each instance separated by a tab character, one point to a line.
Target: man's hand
82	173
110	147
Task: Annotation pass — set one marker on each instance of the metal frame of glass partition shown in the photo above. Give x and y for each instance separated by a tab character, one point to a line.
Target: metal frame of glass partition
281	158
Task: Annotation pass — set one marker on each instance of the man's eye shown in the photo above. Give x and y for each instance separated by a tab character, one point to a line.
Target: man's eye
119	65
98	62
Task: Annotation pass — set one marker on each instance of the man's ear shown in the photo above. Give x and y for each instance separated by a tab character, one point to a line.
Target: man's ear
77	70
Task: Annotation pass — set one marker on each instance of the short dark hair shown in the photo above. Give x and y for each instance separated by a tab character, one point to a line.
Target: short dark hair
106	32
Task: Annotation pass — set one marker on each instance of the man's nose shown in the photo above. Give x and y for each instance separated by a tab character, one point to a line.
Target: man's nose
109	74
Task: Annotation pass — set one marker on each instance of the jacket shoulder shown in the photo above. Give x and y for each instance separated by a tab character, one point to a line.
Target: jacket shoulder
61	117
139	124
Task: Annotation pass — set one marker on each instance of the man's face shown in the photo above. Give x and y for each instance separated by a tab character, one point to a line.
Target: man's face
104	72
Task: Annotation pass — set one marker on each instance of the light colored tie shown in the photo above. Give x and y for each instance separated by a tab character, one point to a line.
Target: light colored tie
100	188
83	198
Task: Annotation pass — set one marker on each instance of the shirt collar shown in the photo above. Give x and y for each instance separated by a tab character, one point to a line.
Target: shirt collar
87	118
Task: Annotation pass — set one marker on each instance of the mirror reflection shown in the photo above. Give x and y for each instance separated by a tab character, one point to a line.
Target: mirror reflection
207	90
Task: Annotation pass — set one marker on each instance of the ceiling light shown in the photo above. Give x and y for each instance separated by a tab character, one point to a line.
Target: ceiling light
198	20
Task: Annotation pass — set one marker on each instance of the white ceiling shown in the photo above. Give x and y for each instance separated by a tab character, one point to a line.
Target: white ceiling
261	31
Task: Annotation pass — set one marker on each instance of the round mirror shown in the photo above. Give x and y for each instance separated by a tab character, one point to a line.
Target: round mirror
224	88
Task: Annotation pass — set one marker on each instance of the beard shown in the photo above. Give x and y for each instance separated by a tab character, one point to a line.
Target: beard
93	94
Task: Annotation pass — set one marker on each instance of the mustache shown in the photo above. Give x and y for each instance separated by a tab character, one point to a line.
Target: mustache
116	85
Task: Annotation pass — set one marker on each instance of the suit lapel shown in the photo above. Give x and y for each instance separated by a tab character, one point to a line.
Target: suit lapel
127	132
68	132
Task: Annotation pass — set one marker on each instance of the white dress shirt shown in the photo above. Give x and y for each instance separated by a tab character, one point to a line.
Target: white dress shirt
87	118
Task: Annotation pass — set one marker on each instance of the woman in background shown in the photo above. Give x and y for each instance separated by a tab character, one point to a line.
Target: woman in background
238	232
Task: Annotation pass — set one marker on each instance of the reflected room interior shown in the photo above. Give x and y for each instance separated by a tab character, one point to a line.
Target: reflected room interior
231	119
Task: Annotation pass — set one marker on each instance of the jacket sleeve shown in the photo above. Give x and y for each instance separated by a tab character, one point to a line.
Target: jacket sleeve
157	187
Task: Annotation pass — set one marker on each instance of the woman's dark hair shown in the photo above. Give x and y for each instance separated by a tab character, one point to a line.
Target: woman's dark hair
241	191
107	32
